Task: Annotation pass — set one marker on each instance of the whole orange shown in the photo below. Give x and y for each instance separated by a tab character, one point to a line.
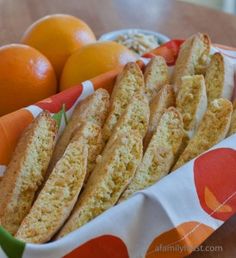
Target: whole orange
57	36
92	60
26	76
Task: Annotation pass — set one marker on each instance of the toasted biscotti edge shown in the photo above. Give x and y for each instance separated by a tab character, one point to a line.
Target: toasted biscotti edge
130	69
91	134
212	129
94	108
219	78
106	180
155	76
135	117
58	196
164	99
26	170
160	154
191	101
128	82
193	52
232	128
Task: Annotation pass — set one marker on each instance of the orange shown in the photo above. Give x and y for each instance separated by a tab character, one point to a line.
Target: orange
26	76
57	36
92	60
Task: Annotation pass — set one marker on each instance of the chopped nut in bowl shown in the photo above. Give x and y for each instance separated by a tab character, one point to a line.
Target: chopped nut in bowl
137	40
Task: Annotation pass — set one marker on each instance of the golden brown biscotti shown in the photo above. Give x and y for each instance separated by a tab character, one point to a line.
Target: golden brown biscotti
94	109
164	99
191	101
160	154
135	117
155	76
219	78
232	128
212	129
128	82
109	179
193	52
183	145
26	171
91	134
58	196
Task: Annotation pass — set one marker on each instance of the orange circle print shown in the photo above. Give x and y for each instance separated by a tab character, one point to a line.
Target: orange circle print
214	176
106	246
180	241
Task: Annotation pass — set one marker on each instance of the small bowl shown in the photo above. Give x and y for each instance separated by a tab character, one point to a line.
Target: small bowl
114	34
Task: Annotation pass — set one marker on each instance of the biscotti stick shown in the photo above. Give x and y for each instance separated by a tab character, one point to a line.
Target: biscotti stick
26	171
135	117
232	128
91	134
212	129
165	98
129	81
193	52
58	196
219	78
94	109
160	154
155	76
191	101
109	179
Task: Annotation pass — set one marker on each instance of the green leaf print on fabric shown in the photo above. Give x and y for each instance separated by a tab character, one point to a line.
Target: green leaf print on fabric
12	247
58	116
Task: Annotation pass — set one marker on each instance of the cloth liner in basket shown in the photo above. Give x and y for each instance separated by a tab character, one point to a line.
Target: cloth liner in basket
168	219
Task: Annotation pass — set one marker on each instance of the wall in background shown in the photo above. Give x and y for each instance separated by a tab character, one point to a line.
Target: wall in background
228	6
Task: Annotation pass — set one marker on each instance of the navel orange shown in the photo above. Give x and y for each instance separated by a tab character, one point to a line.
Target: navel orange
92	60
26	76
57	36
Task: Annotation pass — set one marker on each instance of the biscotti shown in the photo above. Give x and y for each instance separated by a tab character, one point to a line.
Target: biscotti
212	129
135	117
91	134
26	171
193	52
155	76
161	152
164	99
129	82
219	78
94	109
109	179
58	196
191	101
232	128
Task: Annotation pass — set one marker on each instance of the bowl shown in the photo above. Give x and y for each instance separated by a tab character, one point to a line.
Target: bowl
137	40
114	34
